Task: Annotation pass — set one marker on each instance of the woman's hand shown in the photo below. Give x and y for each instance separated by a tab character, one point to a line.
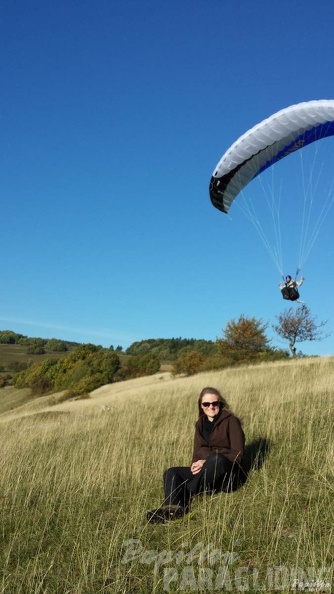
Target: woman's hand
196	467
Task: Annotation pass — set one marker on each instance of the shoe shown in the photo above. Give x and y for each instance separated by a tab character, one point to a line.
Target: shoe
156	516
165	513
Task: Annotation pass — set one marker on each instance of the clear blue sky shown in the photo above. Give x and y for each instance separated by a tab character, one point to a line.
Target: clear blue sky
113	117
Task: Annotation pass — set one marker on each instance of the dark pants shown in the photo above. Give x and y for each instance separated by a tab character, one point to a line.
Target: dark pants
290	293
181	484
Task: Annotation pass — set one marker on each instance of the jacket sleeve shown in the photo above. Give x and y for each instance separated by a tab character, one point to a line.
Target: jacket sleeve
237	440
201	449
300	282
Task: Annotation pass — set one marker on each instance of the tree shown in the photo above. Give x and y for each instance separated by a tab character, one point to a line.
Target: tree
243	339
298	325
35	350
188	362
138	366
53	345
9	337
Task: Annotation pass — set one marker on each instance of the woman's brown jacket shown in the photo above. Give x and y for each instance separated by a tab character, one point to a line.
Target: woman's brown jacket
226	437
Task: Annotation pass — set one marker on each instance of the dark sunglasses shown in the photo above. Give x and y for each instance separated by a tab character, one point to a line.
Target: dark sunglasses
207	404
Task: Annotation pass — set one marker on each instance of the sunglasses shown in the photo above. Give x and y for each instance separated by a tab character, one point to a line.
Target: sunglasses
207	404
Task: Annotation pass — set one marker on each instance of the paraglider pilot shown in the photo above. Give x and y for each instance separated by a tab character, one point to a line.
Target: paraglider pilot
289	289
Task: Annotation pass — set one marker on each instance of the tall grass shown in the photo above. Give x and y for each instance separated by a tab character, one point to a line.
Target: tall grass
77	478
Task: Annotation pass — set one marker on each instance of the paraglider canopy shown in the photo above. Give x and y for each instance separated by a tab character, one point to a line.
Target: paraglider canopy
255	154
266	143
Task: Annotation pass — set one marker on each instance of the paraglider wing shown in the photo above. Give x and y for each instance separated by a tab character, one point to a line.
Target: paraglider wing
276	137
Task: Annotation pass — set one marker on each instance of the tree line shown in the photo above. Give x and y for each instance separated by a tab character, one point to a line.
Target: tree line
87	367
36	346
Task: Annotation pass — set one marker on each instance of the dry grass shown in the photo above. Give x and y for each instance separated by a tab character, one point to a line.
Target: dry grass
77	477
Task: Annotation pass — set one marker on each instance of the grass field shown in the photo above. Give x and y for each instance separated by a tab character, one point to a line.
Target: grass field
78	476
11	354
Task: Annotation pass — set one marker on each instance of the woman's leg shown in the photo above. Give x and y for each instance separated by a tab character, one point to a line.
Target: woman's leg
175	485
215	475
180	484
177	496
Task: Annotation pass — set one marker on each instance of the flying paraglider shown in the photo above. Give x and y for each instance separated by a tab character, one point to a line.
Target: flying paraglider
289	289
262	146
276	137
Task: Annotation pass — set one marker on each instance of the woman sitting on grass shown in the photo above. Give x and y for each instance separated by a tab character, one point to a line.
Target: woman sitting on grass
218	448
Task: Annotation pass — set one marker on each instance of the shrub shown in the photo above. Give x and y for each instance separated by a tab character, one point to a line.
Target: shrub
138	366
188	363
85	369
5	380
36	350
88	384
41	386
55	346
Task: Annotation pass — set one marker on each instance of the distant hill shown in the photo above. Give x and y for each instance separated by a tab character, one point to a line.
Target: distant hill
17	351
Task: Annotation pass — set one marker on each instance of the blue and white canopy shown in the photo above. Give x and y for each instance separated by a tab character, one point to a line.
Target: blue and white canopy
274	138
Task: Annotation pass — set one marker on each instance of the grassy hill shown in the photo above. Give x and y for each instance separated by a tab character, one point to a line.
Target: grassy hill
78	476
12	398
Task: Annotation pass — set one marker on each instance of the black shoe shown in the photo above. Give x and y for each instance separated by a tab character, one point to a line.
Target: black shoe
156	516
165	513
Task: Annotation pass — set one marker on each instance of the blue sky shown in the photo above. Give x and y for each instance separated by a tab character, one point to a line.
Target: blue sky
113	117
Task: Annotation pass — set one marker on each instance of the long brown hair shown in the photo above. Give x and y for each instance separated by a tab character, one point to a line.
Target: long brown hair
208	390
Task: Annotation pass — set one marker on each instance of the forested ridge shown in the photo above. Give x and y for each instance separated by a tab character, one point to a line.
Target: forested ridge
53	365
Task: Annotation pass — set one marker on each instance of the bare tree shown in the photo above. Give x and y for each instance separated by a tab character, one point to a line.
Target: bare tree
298	325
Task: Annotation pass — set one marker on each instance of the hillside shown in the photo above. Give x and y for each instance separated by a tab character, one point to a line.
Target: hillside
10	354
77	477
